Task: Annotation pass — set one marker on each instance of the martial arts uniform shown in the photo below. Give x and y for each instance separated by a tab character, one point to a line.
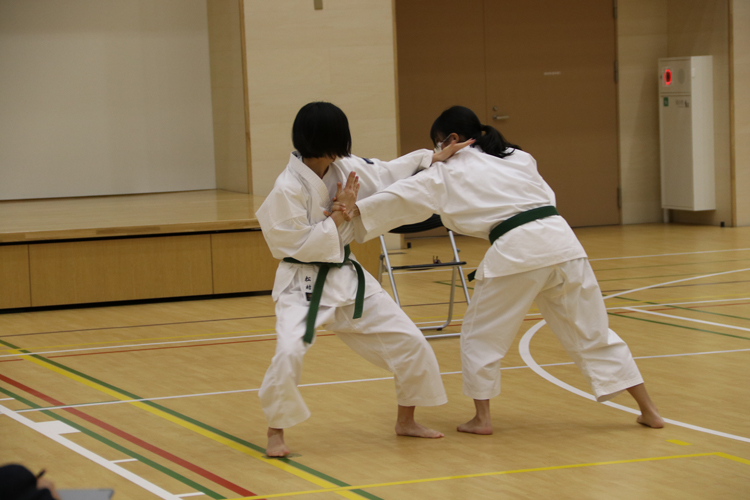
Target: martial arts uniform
296	229
540	260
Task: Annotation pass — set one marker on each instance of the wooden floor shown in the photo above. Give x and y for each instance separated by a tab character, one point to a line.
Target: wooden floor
163	397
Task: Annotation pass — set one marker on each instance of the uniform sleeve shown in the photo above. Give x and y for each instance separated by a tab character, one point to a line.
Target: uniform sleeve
375	175
288	232
407	201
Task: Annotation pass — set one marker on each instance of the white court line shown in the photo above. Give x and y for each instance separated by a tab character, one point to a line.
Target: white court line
7	399
336	382
133	478
124	460
722	325
673	282
525	351
455	320
196	494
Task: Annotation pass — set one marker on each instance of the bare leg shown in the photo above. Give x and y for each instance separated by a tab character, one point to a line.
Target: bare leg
276	446
649	414
482	422
406	426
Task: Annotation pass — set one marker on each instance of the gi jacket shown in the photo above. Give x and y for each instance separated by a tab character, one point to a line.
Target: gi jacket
293	224
473	192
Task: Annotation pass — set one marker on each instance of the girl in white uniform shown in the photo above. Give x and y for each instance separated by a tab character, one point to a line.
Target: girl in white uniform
534	256
299	229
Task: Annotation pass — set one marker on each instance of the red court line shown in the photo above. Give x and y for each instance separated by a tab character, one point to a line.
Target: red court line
137	441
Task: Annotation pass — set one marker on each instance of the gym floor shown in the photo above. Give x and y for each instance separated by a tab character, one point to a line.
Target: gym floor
160	400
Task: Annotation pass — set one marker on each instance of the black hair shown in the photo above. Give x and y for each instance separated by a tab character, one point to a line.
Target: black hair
463	122
321	129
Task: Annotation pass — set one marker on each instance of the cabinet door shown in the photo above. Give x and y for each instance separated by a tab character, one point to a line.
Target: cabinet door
551	90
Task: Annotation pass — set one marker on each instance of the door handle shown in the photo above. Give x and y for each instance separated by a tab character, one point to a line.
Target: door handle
498	117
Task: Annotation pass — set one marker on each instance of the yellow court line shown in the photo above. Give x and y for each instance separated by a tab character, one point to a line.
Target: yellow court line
143	340
204	432
677	441
487	474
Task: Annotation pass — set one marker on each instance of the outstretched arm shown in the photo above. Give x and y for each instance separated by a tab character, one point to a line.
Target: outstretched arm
407	201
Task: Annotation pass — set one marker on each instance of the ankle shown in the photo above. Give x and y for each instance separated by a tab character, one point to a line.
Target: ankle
274	432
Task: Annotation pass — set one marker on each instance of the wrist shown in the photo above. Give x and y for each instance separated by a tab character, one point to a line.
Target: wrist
338	218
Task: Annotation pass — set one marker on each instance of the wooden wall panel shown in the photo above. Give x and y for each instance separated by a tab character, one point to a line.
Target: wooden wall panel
296	54
14	276
242	262
120	269
228	95
701	28
741	108
368	254
641	41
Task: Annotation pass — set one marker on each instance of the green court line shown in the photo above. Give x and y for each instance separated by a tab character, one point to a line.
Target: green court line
198	423
118	447
672	265
688	309
677	326
651	277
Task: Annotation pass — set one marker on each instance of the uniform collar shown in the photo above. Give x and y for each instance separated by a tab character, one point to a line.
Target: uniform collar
310	177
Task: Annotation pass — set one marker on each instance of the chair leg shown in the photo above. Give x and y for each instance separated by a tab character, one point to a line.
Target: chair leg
388	268
460	269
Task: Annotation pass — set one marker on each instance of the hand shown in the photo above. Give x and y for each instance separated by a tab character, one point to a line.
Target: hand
44	482
348	195
338	207
450	150
345	198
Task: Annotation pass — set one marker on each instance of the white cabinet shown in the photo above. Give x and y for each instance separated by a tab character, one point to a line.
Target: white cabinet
686	125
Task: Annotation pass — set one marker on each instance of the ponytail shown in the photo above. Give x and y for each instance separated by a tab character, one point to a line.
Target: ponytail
463	122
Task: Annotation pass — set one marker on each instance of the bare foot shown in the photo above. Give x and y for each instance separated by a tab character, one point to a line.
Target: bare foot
413	429
276	446
476	426
651	420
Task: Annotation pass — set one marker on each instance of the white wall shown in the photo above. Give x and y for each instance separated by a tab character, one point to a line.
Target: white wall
104	97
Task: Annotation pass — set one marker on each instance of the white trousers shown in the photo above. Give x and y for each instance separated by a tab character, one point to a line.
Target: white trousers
384	335
570	300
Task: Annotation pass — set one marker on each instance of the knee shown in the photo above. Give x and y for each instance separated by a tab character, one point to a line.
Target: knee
290	351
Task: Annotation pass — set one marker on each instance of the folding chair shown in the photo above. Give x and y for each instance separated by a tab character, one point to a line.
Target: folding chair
385	262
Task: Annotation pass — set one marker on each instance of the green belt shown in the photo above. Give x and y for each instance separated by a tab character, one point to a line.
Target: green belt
317	292
518	220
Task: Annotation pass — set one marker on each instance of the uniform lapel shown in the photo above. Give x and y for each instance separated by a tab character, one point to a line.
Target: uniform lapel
315	183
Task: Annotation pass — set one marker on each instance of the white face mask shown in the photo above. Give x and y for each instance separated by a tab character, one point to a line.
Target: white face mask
439	146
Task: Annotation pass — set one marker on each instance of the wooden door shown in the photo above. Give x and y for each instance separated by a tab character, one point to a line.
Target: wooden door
440	53
550	71
546	65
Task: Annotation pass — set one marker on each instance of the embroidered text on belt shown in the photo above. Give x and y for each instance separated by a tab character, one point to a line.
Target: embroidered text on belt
320	281
518	220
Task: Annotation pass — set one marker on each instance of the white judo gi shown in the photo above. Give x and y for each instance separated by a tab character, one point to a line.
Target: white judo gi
294	226
541	260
